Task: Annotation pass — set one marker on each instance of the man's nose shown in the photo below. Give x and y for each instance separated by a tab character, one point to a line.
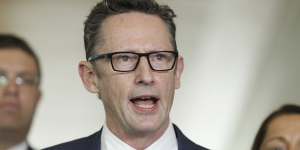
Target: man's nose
11	88
144	73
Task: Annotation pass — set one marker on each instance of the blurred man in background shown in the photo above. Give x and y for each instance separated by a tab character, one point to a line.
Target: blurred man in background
19	91
280	130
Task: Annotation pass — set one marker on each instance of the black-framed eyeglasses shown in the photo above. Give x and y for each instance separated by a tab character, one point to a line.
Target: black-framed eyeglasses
20	80
128	61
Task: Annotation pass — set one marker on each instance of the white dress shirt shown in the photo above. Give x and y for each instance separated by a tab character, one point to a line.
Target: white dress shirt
111	142
21	146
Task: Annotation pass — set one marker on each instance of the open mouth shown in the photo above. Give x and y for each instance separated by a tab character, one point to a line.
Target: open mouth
144	103
9	107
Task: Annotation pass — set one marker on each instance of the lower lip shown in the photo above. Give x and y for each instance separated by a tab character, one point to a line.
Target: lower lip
140	109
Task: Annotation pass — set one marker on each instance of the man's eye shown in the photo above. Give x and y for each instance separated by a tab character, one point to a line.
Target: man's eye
124	58
28	81
160	57
25	81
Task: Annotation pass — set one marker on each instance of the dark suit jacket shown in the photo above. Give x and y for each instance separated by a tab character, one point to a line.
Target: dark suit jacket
93	142
29	148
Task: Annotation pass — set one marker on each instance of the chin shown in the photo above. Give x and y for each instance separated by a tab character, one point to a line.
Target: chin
148	126
143	130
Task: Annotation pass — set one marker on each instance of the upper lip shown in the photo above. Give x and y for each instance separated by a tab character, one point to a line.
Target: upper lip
145	97
8	104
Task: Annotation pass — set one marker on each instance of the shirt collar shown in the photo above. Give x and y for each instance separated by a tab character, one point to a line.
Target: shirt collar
168	140
111	142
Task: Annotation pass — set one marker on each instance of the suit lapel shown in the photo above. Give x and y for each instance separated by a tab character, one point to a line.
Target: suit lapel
183	142
95	141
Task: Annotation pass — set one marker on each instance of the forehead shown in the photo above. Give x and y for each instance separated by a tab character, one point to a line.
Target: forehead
285	125
14	60
135	30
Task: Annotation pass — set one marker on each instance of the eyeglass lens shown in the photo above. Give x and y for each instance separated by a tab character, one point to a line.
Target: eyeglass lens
158	61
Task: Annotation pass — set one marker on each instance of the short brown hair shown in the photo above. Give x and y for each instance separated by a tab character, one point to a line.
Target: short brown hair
108	8
12	41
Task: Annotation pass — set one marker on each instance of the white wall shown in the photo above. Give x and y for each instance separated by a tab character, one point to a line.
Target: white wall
241	62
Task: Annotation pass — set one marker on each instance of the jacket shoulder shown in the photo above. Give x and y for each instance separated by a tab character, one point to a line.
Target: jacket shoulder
184	143
91	142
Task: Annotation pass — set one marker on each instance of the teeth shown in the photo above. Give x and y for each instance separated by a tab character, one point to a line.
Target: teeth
146	98
144	104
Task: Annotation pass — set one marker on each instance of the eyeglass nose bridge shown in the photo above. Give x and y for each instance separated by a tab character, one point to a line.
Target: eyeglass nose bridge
146	55
18	81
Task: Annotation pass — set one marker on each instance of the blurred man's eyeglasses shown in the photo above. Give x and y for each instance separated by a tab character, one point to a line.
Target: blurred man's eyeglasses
20	80
128	61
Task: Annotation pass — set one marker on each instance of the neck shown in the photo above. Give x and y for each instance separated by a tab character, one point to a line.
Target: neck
138	139
9	139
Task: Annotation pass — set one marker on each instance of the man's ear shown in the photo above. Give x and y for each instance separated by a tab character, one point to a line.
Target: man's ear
178	71
88	76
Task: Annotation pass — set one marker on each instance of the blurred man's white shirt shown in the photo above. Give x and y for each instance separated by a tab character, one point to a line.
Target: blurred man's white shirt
21	146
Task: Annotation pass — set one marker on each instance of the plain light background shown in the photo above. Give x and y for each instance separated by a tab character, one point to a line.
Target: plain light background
241	62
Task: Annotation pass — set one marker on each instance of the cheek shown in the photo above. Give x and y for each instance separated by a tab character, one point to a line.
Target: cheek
29	102
168	82
115	89
167	88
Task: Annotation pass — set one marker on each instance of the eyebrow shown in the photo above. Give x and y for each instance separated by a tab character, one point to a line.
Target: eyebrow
22	73
26	74
279	138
